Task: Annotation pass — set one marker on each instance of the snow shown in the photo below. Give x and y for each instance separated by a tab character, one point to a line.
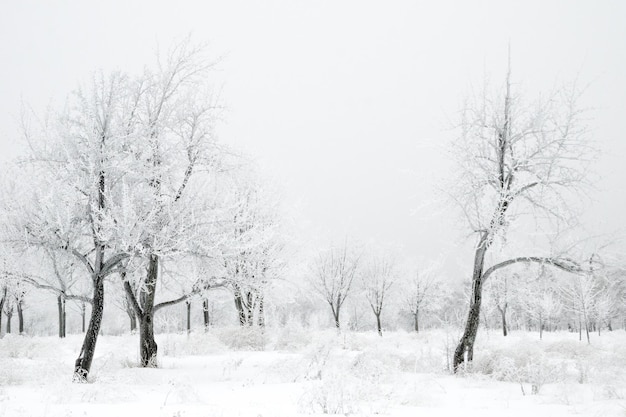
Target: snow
289	372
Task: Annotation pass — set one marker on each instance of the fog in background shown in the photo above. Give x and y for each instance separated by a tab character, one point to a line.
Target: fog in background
350	106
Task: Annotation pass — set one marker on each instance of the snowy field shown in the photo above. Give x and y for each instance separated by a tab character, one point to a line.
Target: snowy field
291	371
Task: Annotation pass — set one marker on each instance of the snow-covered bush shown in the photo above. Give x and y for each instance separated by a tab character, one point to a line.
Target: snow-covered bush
193	344
525	364
292	337
242	338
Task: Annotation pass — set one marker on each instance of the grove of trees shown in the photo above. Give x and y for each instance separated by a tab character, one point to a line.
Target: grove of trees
126	196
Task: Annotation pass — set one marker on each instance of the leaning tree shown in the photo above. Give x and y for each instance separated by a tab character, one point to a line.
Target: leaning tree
518	162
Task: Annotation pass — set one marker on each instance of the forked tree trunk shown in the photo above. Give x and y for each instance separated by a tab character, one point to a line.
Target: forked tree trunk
147	345
83	363
503	315
466	344
336	315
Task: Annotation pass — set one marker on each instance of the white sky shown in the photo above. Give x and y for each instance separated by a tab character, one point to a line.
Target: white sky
349	104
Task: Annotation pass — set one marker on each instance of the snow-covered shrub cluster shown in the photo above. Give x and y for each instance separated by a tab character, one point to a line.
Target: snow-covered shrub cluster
242	338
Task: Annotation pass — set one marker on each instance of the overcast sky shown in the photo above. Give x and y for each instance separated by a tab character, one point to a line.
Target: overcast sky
348	104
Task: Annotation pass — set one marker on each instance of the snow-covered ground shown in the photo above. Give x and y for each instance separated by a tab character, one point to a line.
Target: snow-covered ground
288	372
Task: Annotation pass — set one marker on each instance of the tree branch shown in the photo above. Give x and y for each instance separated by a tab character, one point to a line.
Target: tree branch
564	264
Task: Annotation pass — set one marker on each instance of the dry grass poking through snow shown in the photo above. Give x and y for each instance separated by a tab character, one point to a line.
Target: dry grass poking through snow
294	371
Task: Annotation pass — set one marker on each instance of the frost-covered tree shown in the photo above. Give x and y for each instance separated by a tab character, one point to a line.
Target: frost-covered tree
377	277
517	161
422	294
66	202
500	292
123	181
332	275
253	255
580	296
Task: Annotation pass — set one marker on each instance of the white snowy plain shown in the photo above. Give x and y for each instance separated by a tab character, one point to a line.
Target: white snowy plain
294	371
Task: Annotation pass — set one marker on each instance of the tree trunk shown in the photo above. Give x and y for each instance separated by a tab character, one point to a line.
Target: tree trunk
205	313
240	311
261	318
416	323
249	308
378	325
133	321
580	330
83	363
20	317
188	303
83	313
61	309
336	317
132	316
503	315
147	345
4	294
466	344
9	317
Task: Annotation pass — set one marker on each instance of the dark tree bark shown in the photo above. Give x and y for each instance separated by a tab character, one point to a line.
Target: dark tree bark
83	313
240	311
20	316
145	309
261	318
378	325
9	314
416	325
133	321
502	311
83	363
4	293
205	313
61	310
466	344
148	346
188	303
335	310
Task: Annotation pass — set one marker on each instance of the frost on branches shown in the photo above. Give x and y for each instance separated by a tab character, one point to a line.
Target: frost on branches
517	162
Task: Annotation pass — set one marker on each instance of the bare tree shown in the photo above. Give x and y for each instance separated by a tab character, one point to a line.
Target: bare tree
516	159
580	296
377	277
422	294
332	275
499	290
